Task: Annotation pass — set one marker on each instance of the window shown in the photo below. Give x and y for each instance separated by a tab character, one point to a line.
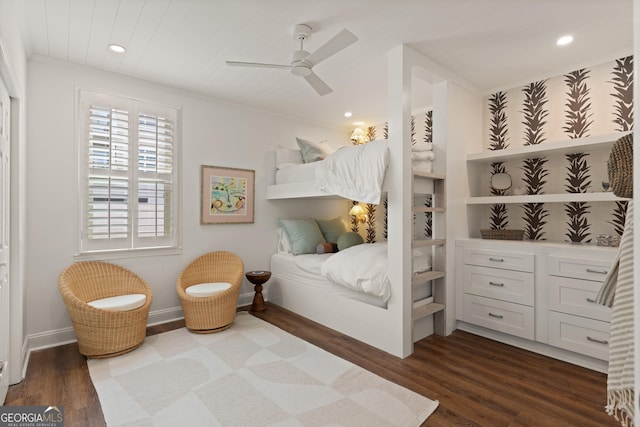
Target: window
127	174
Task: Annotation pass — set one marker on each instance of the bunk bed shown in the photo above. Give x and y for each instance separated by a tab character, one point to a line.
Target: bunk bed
297	284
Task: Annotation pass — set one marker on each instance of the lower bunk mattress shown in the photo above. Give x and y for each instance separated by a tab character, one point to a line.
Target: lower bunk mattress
284	267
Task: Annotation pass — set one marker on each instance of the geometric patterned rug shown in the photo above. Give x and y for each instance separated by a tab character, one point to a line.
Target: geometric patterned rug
252	374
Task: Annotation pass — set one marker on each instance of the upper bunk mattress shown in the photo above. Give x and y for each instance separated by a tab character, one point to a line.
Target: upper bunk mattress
296	173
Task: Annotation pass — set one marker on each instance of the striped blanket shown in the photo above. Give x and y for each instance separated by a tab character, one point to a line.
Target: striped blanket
617	292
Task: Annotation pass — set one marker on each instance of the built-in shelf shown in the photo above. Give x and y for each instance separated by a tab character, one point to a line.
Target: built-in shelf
421	243
569	146
428	175
427	310
426	209
420	278
546	198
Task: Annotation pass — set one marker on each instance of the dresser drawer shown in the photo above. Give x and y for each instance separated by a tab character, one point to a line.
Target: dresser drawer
499	259
585	336
580	268
576	296
506	285
507	317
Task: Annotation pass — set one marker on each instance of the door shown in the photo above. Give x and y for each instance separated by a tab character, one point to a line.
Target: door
4	240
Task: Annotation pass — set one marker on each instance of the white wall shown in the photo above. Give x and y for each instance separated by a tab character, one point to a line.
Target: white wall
213	133
13	71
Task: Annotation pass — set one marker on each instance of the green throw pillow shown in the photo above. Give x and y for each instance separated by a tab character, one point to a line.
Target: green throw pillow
332	228
304	235
346	240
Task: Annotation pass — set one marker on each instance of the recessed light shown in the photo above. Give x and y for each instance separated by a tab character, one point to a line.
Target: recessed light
564	40
348	114
116	48
358	123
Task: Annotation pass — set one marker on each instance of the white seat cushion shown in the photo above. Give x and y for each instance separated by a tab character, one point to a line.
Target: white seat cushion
120	302
202	290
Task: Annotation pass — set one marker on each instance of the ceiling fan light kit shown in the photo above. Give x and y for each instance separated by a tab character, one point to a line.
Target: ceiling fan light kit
302	62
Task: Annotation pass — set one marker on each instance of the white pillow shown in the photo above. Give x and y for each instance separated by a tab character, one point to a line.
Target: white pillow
313	151
120	302
287	157
203	290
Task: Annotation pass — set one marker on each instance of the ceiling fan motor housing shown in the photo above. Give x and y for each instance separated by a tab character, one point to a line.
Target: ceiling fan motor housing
300	67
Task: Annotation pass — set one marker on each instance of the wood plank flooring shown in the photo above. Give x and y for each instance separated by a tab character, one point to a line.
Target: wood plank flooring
479	382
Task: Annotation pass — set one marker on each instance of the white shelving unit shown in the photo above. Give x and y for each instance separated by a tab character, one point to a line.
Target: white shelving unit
479	170
434	305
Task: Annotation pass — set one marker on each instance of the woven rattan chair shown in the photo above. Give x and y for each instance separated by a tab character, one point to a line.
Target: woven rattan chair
217	312
104	333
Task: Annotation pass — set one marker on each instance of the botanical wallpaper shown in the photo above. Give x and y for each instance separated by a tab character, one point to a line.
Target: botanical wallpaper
585	102
421	130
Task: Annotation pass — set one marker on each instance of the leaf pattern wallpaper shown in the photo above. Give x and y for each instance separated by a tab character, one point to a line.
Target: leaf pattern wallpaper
421	128
577	122
498	137
622	80
590	101
578	181
535	99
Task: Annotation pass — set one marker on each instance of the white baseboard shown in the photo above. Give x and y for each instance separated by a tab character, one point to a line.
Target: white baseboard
537	347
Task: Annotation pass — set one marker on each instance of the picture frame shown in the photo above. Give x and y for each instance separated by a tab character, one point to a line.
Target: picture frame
226	195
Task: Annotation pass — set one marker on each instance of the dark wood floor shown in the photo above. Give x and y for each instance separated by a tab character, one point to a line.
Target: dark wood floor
478	382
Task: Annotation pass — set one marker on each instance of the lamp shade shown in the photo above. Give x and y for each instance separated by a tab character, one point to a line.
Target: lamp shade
358	136
357	210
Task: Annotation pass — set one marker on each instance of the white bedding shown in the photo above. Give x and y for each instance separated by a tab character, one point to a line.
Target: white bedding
284	266
361	268
355	172
349	269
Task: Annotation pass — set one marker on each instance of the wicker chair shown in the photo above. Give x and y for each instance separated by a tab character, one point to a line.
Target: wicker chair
104	333
217	312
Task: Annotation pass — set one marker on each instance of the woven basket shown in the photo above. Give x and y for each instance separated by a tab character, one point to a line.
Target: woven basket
620	167
487	233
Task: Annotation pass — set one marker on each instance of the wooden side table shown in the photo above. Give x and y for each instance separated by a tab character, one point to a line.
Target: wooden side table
258	278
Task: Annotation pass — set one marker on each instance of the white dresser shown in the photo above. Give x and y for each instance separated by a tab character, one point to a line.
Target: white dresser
536	295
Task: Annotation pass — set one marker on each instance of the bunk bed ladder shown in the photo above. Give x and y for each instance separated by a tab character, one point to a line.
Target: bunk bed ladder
425	186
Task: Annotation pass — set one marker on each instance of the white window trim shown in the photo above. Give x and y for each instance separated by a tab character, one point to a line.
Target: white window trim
82	170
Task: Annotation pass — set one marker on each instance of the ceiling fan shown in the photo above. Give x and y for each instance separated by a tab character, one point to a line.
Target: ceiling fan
302	62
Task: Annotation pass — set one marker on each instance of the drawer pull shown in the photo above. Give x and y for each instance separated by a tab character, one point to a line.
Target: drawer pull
496	284
591	300
496	259
605	342
497	316
591	270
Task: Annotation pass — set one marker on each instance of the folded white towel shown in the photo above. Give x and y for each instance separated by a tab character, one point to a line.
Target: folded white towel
422	155
424	166
422	146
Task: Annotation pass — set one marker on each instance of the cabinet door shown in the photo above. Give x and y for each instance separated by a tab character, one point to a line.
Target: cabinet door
499	259
506	285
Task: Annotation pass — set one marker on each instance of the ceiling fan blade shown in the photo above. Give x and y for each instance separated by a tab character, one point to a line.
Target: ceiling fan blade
340	41
256	64
316	82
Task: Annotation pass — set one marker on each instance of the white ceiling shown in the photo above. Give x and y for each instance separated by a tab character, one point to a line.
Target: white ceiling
184	43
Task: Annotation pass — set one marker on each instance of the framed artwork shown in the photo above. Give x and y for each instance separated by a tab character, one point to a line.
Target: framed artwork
226	195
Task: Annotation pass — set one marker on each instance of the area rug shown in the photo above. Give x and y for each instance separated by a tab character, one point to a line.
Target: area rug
252	374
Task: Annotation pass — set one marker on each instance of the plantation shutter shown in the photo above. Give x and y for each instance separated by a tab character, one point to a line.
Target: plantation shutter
108	188
127	174
155	168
